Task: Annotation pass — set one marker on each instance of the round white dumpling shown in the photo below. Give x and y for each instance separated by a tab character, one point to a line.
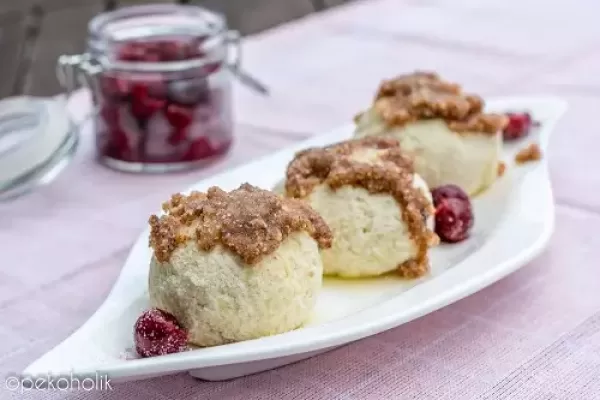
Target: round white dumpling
441	128
378	210
236	266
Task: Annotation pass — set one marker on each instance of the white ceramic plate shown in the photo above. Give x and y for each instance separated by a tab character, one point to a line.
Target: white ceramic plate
514	220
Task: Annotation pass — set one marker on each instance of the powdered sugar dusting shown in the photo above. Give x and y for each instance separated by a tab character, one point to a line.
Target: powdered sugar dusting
129	354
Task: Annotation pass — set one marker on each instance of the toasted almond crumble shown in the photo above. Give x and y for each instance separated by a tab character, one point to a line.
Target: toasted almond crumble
249	221
530	153
501	168
390	172
424	95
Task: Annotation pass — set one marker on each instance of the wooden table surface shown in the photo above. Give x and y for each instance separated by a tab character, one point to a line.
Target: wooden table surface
34	33
64	244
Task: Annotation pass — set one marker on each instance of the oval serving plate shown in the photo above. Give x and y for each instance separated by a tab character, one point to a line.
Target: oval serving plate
514	221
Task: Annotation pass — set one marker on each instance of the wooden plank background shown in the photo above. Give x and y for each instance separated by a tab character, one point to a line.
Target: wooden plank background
34	33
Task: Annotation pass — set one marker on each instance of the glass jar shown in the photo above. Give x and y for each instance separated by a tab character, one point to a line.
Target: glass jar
160	78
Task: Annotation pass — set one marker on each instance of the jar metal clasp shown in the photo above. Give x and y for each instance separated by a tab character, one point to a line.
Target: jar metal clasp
234	63
76	70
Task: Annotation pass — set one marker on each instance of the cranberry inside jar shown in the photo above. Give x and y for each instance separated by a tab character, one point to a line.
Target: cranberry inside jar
163	93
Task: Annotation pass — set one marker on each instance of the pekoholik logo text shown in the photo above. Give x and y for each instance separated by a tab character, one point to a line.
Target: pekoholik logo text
51	382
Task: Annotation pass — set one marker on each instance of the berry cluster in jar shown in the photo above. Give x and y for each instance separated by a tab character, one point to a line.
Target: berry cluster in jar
162	117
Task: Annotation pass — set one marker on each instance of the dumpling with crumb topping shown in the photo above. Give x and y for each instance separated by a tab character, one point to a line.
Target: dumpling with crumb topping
378	209
232	266
443	129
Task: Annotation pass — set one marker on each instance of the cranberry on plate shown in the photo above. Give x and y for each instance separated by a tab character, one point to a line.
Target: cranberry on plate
519	125
454	216
158	333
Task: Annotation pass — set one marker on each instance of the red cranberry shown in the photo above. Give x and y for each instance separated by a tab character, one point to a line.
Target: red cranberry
132	51
448	192
173	50
519	125
118	139
110	115
199	149
154	84
153	55
124	135
177	136
141	52
119	146
157	333
143	103
179	117
453	219
189	91
113	87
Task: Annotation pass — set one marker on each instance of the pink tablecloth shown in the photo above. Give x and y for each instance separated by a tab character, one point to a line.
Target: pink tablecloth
534	335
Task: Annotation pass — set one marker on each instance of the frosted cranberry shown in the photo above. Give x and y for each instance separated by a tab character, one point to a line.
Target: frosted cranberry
189	91
453	219
113	87
519	125
199	149
143	103
158	333
448	192
179	117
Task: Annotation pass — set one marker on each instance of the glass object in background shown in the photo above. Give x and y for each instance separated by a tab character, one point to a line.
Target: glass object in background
37	141
160	78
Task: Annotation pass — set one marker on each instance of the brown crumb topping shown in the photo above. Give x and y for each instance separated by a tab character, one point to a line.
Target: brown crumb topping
412	269
424	95
378	165
530	153
501	168
248	221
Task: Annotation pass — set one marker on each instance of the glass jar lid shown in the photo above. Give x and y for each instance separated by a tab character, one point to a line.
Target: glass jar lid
36	142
